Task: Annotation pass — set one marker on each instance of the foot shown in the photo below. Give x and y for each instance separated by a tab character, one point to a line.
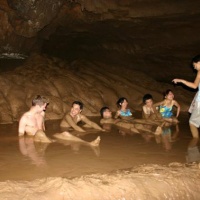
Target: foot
158	131
96	142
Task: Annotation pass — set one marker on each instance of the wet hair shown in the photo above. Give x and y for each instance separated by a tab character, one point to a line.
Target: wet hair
196	59
120	101
147	97
78	103
103	109
167	92
39	100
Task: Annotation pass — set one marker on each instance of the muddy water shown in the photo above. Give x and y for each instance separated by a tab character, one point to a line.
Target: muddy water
25	164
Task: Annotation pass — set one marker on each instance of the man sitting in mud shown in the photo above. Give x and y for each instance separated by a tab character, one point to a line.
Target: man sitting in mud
72	118
107	118
32	121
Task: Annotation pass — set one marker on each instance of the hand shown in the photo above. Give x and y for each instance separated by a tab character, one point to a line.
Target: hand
176	80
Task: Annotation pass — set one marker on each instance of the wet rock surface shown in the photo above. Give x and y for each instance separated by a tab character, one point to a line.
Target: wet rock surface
95	84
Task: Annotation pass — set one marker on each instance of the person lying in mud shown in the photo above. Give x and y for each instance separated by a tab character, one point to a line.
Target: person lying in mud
32	122
106	118
149	112
72	118
166	107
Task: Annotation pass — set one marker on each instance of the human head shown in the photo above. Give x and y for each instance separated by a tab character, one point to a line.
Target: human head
196	62
196	59
147	98
78	103
39	100
168	94
121	100
105	112
77	107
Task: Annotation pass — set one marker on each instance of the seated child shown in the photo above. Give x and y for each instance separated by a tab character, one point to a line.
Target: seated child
166	106
106	118
149	112
125	114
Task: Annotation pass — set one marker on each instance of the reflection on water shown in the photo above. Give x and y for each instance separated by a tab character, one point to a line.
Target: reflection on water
119	149
169	135
34	151
193	154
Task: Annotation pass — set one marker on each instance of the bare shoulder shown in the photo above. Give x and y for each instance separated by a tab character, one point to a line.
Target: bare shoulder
175	102
144	107
26	115
82	117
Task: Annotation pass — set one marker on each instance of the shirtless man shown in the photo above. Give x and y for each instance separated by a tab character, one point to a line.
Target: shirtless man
32	121
72	118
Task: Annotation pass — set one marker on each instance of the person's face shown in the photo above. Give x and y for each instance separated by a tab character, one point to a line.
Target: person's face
170	96
42	108
75	110
196	65
124	104
107	114
149	102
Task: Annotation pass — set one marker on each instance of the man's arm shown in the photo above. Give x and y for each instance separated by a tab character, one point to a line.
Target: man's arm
22	125
71	123
43	120
90	123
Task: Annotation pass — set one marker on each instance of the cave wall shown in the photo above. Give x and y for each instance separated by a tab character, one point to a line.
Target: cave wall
25	23
95	51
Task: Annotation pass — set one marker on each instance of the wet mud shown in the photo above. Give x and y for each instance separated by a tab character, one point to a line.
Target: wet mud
124	166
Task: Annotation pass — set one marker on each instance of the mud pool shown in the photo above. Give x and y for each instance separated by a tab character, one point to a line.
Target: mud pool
124	166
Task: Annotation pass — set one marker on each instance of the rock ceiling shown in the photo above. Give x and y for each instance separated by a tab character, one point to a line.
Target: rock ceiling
26	24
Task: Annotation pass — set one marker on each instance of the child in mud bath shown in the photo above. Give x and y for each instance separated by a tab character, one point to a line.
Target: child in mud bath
166	106
106	118
125	114
149	112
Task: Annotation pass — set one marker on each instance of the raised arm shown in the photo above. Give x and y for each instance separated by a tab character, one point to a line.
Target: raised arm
158	104
193	85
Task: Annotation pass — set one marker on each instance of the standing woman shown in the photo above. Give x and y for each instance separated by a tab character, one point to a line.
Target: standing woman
194	120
